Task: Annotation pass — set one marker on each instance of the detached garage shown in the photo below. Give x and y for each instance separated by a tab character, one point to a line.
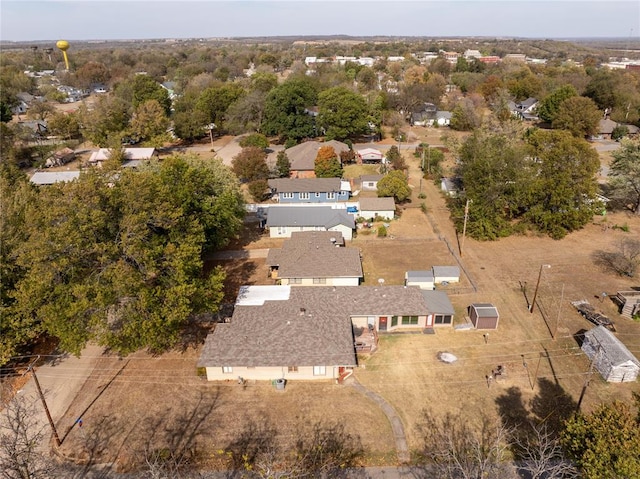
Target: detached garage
484	316
611	358
422	279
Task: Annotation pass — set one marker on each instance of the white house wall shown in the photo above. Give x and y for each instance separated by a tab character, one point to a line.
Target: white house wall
269	373
428	285
347	233
285	232
388	214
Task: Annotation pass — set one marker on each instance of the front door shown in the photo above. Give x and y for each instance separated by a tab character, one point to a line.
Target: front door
382	323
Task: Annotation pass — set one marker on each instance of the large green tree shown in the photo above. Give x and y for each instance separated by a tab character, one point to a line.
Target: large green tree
578	115
149	121
109	117
550	104
394	184
563	192
285	111
625	174
342	113
606	442
215	101
251	164
141	88
120	262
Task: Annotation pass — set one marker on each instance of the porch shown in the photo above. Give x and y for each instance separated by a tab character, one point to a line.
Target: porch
365	339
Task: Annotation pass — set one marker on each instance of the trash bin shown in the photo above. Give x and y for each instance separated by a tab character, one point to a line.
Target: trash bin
280	383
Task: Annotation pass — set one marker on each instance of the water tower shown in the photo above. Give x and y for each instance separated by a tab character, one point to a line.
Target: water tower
64	46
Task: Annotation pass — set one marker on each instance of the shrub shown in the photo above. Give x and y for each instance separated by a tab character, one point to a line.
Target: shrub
382	231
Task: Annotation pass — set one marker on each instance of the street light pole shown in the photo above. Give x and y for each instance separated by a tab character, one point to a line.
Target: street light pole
535	293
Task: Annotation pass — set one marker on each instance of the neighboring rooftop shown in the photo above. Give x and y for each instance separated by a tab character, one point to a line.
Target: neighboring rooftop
303	156
438	302
305	216
51	177
308	185
103	154
315	254
384	203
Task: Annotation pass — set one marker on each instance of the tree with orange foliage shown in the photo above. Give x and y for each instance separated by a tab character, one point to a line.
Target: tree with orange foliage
327	164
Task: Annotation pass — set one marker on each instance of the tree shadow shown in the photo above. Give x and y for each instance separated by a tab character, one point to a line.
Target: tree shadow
239	272
254	441
552	405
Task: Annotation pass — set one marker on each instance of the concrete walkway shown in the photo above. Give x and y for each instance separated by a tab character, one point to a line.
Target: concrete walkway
396	423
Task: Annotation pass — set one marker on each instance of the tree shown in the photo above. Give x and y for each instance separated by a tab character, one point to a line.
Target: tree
189	126
245	114
255	139
454	447
564	190
41	110
619	132
283	166
395	159
606	442
465	117
258	190
109	117
625	174
141	88
394	184
327	164
120	262
65	125
251	164
149	121
542	456
91	73
550	104
579	115
285	111
5	112
215	101
21	438
342	113
624	261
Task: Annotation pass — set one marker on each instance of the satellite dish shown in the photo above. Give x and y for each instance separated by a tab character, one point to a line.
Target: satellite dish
381	281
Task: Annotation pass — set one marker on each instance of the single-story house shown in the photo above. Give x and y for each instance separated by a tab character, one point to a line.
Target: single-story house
369	156
38	127
446	274
280	332
369	182
310	190
134	156
383	207
60	157
51	177
302	157
315	258
439	306
484	316
423	279
610	356
443	118
605	128
525	110
284	220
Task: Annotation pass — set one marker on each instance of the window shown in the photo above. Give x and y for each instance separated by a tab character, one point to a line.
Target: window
319	280
317	195
287	196
293	369
295	280
371	184
443	319
227	369
282	230
304	196
409	320
394	320
319	371
331	195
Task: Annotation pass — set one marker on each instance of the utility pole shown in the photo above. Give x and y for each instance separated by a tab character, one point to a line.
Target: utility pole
535	293
464	227
44	403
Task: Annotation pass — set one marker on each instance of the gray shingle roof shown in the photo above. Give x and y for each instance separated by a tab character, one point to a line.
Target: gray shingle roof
438	302
305	185
420	276
308	216
377	204
312	254
485	310
446	271
312	327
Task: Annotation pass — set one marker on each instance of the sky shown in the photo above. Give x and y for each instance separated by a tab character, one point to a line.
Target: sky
27	20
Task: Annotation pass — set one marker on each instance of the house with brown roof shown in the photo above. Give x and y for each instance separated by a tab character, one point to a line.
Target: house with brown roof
302	157
315	258
280	332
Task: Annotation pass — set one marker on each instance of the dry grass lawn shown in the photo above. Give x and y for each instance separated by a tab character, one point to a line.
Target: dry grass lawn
161	400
